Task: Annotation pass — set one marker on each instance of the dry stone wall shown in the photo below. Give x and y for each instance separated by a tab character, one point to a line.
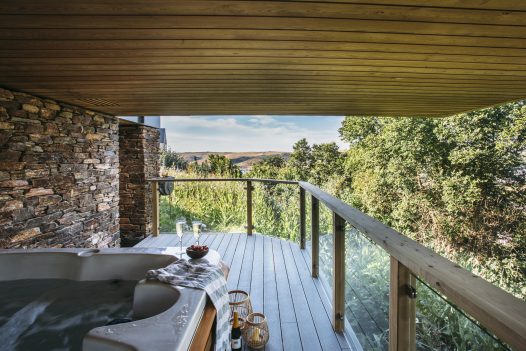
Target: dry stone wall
139	150
59	174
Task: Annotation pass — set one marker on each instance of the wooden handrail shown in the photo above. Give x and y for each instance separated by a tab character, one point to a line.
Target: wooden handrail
498	311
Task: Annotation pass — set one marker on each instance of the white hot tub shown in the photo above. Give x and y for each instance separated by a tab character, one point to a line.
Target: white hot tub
164	317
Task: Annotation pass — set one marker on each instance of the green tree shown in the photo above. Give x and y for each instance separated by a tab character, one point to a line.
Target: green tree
200	169
221	165
300	161
270	167
327	162
456	184
170	159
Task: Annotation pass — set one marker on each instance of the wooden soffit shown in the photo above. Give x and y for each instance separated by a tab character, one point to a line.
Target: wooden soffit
159	57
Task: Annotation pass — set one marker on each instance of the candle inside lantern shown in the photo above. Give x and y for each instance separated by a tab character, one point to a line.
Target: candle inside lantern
255	336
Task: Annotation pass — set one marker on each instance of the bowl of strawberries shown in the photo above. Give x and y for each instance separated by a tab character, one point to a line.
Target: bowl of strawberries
197	251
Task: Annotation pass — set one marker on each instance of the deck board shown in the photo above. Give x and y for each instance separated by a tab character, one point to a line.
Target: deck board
256	283
286	308
245	277
309	337
237	263
270	295
322	321
276	273
231	250
225	241
324	299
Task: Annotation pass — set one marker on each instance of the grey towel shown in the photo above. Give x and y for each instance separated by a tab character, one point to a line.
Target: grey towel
210	278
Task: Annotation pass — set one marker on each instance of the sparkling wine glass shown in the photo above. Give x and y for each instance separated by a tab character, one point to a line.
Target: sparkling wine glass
180	224
196	227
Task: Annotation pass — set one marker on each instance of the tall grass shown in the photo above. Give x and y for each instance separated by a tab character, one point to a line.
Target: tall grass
222	206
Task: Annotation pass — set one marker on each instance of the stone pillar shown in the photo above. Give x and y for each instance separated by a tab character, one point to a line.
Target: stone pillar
139	160
59	174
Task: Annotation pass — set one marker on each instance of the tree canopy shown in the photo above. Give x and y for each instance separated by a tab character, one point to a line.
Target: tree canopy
217	165
456	184
170	159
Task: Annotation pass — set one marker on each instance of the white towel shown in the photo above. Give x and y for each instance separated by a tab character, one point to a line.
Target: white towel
210	278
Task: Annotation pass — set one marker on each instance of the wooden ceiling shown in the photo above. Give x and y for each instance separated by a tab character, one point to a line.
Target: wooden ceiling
362	57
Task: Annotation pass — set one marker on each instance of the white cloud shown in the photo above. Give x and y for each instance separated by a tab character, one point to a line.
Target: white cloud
250	133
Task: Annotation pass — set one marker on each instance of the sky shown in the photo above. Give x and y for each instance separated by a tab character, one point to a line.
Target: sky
248	133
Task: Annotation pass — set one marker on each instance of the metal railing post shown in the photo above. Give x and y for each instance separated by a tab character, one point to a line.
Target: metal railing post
303	220
338	273
402	308
315	235
249	207
155	209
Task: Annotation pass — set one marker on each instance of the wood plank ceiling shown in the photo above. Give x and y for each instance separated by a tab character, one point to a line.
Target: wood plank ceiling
361	57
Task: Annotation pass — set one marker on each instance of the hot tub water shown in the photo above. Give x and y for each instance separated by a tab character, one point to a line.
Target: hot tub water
55	314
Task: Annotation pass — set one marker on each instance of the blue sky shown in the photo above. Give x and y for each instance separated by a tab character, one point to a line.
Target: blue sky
247	133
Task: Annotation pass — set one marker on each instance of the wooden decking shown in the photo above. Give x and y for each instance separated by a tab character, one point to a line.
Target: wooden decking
276	274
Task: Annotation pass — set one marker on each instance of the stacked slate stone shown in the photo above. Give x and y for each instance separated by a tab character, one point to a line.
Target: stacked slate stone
140	144
59	180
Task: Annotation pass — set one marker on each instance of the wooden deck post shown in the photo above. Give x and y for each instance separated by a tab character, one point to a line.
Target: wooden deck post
155	208
249	207
303	216
338	272
315	235
402	308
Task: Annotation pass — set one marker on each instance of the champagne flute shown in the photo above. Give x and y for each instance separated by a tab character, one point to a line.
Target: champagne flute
180	223
196	227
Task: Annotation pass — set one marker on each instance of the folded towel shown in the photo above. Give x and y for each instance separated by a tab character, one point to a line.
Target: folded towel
210	278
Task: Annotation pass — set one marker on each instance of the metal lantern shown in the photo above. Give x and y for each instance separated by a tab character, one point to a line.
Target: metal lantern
255	331
166	186
239	302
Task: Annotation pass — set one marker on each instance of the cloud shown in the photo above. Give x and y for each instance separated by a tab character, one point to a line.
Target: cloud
245	133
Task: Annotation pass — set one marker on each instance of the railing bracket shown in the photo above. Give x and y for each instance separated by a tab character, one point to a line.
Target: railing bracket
411	291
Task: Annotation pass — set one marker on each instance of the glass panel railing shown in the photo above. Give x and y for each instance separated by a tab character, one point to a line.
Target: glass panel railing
367	290
367	269
221	206
326	248
308	219
442	326
276	210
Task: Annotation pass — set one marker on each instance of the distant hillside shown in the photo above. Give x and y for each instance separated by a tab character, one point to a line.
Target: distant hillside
245	160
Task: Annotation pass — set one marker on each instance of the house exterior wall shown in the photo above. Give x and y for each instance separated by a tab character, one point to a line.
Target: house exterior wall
139	150
59	174
152	121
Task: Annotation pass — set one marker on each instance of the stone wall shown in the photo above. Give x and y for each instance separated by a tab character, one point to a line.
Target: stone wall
59	180
139	150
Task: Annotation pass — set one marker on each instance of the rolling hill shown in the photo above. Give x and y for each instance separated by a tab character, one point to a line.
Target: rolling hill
245	160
